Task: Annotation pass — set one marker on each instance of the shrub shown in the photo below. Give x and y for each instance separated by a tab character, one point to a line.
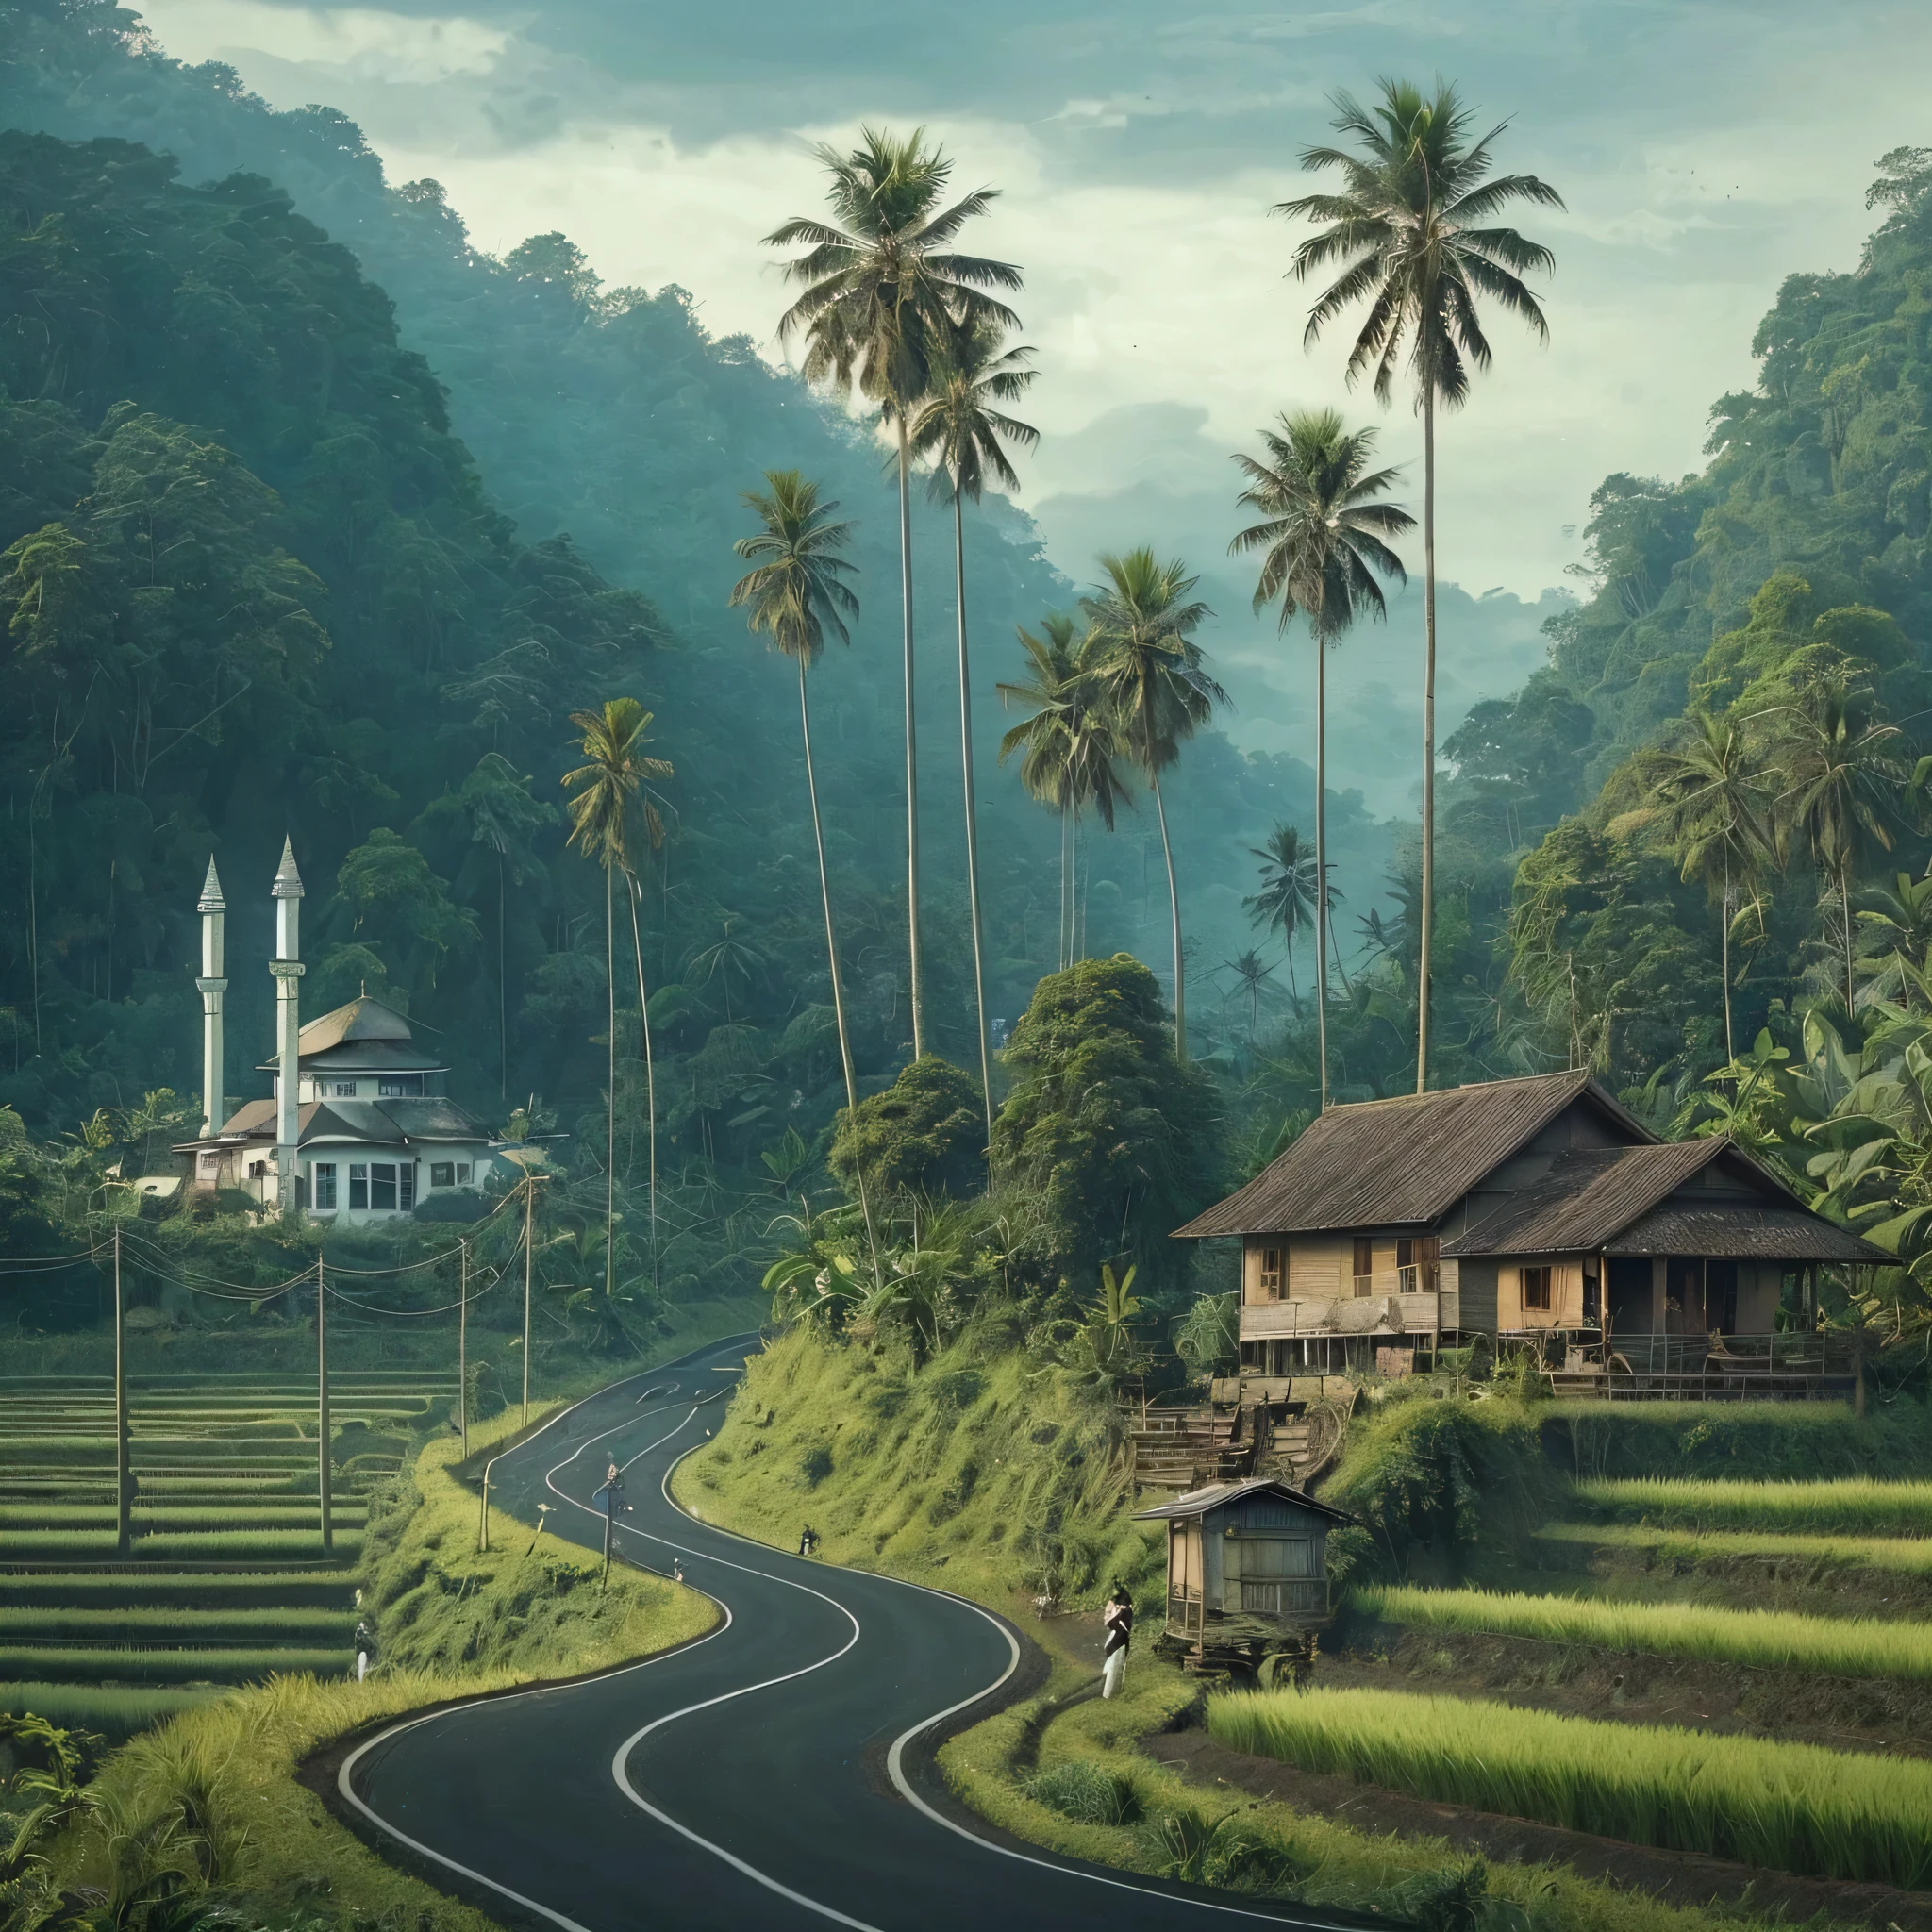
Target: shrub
924	1135
1085	1791
815	1465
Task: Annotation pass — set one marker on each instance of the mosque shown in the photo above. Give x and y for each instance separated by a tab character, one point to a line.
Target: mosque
358	1126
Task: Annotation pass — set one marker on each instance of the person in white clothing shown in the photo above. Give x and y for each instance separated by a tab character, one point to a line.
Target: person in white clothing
1117	1621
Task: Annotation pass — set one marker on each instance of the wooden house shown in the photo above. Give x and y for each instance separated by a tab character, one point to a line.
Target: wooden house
1536	1211
1247	1570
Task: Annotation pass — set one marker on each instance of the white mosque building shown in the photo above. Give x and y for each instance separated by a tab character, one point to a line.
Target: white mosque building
357	1127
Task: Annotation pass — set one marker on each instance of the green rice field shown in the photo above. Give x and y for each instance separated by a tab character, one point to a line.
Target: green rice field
1908	1555
1794	1807
1846	1506
1845	1647
225	1578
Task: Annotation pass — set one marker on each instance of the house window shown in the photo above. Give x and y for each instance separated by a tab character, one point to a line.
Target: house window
463	1172
359	1184
257	1170
442	1174
407	1186
1536	1288
1364	1263
324	1172
345	1090
382	1186
395	1086
1271	1273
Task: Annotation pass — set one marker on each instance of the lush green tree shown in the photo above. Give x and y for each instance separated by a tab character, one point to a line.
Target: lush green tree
798	595
1070	745
1154	679
885	294
1840	784
392	899
608	808
960	425
923	1137
1715	797
1323	544
1410	232
1107	1139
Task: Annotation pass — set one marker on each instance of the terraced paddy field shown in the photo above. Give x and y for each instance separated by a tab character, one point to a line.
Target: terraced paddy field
228	1576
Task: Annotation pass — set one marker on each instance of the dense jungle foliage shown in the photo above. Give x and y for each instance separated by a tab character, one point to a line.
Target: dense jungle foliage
285	469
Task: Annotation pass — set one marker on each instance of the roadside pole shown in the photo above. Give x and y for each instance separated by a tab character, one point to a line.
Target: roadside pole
321	1403
124	1474
463	1347
529	1241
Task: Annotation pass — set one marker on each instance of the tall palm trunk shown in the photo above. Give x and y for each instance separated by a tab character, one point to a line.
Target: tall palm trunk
1724	914
1066	936
1174	899
502	994
1844	910
633	893
1073	954
1428	897
972	814
1322	855
818	833
911	747
610	1088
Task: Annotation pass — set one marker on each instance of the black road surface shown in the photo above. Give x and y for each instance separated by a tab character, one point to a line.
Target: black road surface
770	1776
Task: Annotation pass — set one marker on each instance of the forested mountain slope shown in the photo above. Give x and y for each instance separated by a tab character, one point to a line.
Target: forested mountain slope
612	415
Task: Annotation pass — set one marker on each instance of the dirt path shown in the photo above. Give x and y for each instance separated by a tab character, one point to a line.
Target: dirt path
1683	1878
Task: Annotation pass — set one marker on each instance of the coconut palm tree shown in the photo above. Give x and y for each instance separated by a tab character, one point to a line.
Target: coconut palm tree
1286	903
1838	783
798	596
1408	232
1715	797
960	425
882	293
1070	745
1322	546
1154	678
607	787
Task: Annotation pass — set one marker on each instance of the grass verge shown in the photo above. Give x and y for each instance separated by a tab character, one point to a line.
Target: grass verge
1777	1640
51	1664
1795	1807
1850	1506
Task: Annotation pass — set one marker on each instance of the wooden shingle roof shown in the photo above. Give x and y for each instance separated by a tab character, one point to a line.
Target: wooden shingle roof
1585	1198
1377	1163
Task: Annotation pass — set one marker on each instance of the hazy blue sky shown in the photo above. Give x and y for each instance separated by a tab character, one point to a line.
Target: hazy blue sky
1705	151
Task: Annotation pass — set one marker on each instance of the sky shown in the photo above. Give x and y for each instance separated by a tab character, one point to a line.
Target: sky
1705	149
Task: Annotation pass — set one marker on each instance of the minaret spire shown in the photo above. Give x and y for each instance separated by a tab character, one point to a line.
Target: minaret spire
213	910
288	969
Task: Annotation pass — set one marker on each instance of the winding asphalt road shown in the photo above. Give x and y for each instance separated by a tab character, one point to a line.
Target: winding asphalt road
770	1775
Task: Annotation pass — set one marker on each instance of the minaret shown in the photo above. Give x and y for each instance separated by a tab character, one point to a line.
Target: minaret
214	1064
288	969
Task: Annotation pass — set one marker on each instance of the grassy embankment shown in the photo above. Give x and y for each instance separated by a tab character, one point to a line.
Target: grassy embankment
984	1474
1691	1549
1844	1506
454	1623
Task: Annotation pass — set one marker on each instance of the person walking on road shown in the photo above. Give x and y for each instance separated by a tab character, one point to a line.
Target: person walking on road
1117	1620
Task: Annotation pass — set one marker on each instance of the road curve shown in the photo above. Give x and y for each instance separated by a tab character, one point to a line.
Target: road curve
768	1776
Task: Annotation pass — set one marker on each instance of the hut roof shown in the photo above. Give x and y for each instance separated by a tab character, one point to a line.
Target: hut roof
1198	1502
1404	1161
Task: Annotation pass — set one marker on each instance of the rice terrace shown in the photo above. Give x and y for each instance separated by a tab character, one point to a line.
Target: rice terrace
965	972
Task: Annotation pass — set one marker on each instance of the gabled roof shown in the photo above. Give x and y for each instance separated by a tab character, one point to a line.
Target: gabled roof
1585	1198
361	1019
1198	1502
1406	1162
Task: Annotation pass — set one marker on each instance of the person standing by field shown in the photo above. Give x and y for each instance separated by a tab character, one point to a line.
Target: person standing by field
1117	1621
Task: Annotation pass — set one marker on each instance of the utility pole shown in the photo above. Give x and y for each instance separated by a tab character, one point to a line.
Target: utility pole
612	1493
322	1403
529	1248
463	1347
124	1474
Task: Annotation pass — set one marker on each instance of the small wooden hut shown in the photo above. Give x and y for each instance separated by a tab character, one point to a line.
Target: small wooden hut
1247	1573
